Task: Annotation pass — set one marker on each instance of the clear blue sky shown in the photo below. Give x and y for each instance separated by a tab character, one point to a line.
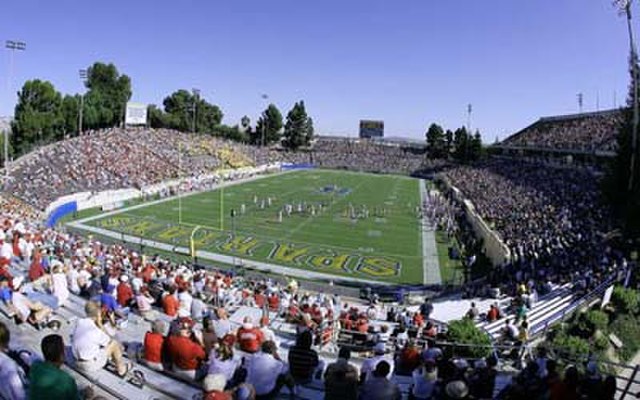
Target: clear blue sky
408	63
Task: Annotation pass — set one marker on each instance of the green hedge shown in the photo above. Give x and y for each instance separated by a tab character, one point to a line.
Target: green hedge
626	301
573	347
465	331
626	329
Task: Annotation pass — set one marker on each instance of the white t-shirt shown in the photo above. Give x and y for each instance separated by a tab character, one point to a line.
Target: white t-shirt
21	303
59	287
185	299
72	280
6	251
12	378
88	339
144	302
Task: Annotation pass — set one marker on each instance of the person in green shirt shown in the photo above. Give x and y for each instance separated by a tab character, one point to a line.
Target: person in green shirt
47	380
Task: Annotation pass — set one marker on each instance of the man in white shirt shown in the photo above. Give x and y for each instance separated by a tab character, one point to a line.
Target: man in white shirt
185	299
266	372
369	365
92	347
268	333
11	375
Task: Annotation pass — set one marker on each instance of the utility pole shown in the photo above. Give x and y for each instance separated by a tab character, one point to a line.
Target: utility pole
11	45
469	110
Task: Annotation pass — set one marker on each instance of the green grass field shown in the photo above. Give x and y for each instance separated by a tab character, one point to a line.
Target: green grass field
385	246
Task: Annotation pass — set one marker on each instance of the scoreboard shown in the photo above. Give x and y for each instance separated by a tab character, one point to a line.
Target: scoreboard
371	129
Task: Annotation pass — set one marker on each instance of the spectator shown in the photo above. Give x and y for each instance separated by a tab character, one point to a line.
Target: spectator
185	350
341	378
249	337
124	292
154	346
303	361
46	379
378	387
59	285
213	387
369	365
425	379
222	325
223	361
92	347
267	373
209	337
473	311
11	374
407	360
144	301
170	303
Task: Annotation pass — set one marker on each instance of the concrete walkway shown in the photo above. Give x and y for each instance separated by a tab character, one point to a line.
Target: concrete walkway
430	264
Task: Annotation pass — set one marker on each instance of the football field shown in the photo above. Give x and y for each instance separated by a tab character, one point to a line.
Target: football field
359	225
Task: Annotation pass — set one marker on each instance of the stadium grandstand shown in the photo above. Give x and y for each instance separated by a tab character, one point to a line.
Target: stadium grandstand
162	252
585	134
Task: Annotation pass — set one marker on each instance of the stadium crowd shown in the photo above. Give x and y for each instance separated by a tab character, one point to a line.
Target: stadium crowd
585	132
551	219
139	157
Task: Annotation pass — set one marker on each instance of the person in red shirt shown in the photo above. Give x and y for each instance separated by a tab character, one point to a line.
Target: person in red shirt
418	320
35	270
185	350
274	302
147	273
492	314
124	292
250	338
170	303
407	360
153	346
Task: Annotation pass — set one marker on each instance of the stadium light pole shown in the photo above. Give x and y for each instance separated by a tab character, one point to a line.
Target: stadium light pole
624	7
11	45
196	96
83	77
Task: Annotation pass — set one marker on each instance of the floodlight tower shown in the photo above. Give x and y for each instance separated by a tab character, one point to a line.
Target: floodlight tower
11	45
83	77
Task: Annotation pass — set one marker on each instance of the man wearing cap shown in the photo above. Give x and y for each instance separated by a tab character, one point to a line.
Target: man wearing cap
185	350
249	337
369	365
154	345
213	387
124	292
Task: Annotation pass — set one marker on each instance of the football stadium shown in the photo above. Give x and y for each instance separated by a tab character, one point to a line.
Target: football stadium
341	237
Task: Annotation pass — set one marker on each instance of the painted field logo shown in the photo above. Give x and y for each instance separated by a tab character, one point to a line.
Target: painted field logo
309	257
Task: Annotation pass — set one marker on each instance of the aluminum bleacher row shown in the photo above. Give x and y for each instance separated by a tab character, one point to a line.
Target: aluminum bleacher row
557	300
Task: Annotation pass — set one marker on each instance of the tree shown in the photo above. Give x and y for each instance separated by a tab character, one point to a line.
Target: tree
625	200
435	141
296	129
180	107
460	144
475	147
310	130
38	118
269	126
448	143
70	114
156	117
108	94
